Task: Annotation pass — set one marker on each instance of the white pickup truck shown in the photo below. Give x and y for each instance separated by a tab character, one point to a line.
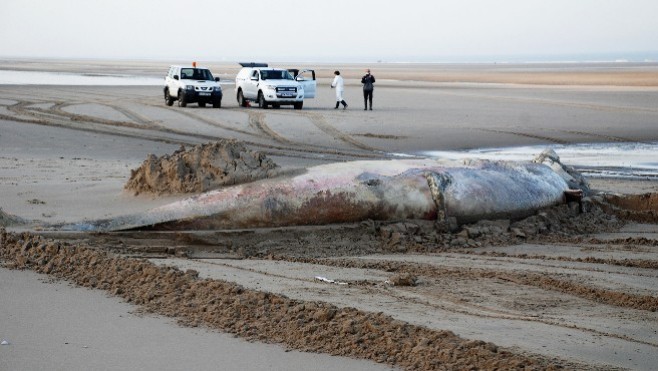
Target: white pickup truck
256	82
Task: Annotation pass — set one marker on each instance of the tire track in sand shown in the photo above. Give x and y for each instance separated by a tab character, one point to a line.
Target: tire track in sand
137	117
56	116
257	121
526	135
539	280
609	138
452	302
321	123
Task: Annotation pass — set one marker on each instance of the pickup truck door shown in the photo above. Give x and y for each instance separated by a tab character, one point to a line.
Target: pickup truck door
251	85
307	79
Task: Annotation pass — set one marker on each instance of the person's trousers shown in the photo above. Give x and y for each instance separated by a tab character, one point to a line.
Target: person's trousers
367	97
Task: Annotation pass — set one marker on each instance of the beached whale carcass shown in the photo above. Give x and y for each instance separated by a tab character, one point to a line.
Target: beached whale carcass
465	191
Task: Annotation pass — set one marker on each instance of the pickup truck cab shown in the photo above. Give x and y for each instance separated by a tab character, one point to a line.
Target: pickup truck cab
256	82
189	84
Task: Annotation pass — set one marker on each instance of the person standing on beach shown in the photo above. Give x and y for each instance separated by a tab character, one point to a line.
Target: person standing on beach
340	89
368	82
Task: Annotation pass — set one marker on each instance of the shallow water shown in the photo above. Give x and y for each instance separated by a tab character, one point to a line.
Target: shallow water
600	160
9	77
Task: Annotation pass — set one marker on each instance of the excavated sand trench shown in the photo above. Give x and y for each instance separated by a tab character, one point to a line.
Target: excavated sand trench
641	208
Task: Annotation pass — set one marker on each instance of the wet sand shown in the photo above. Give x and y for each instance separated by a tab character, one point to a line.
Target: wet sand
54	326
66	152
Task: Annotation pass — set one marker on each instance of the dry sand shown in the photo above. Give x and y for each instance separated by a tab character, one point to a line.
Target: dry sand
562	289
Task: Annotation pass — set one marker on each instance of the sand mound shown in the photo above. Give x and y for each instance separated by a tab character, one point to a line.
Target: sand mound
202	168
557	223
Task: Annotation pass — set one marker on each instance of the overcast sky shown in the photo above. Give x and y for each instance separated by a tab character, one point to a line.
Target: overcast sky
356	30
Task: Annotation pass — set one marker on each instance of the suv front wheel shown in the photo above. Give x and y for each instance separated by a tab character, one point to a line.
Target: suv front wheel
262	103
181	99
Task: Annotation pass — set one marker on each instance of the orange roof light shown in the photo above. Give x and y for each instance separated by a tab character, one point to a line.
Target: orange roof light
194	64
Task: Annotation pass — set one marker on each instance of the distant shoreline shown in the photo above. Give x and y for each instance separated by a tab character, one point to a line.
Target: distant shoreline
628	74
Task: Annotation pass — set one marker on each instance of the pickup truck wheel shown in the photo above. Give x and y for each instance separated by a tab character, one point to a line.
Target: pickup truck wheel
299	105
168	99
202	104
241	101
262	103
181	99
217	103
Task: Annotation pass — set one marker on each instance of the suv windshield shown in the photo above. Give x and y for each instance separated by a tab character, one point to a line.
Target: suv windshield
275	75
195	74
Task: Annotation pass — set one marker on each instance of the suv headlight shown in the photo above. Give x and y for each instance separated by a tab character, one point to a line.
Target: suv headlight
300	88
271	87
217	88
189	87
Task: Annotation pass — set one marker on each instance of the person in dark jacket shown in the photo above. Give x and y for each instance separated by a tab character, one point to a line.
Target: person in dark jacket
368	82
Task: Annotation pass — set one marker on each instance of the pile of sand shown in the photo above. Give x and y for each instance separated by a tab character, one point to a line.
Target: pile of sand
307	326
202	168
561	222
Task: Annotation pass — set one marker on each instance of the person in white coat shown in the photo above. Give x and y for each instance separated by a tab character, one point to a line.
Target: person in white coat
340	89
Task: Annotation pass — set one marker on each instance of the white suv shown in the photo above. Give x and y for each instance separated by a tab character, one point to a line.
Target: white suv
256	82
190	85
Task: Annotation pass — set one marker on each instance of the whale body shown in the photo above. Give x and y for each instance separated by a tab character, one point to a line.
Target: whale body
461	191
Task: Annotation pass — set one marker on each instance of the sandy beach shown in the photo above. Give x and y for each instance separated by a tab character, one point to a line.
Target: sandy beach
580	296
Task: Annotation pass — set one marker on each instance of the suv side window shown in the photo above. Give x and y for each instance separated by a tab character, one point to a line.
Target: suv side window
255	74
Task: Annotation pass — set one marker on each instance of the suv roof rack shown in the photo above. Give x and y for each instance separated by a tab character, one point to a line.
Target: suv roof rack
252	64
